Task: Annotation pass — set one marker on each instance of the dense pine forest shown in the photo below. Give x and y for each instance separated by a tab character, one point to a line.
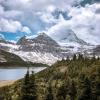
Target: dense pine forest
72	79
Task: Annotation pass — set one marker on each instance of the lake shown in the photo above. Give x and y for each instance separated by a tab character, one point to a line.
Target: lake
17	73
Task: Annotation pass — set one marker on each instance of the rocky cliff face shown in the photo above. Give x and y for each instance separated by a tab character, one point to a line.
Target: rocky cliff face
42	43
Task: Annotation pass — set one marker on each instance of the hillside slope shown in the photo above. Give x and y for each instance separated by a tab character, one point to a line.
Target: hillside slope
11	60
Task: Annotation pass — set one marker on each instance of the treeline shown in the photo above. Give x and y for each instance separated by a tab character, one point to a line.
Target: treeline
14	64
22	64
71	79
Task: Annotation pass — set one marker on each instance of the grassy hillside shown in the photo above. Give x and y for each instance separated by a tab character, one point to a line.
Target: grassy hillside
76	79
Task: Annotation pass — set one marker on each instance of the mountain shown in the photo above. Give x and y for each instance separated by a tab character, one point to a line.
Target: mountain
42	43
40	49
24	41
7	46
67	39
70	37
8	59
44	49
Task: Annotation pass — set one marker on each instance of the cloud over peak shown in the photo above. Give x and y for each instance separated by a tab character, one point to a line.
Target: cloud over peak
84	22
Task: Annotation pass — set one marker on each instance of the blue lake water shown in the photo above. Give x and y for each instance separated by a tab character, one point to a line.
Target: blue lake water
16	73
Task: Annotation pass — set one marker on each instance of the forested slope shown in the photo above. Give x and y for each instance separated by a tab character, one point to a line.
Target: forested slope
76	79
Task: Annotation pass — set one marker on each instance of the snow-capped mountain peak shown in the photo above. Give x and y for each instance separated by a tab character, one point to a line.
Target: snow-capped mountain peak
42	38
71	37
68	37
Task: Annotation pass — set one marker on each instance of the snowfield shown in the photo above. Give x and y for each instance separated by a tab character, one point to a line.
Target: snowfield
37	57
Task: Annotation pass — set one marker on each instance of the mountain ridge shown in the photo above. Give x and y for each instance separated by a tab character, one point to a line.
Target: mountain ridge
44	49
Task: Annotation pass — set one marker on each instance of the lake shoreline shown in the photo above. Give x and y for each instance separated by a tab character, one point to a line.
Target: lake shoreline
6	82
26	64
17	67
17	73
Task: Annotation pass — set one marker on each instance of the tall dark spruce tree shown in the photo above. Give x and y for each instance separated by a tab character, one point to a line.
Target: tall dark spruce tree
33	95
62	92
72	91
49	95
25	91
85	89
28	88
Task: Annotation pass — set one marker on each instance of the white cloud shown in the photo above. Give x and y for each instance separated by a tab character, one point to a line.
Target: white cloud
26	30
10	13
47	17
84	22
25	11
12	26
38	5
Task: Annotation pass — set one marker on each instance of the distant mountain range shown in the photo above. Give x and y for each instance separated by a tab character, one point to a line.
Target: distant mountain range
43	49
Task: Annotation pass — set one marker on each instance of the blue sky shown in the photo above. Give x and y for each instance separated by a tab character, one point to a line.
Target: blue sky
13	36
29	17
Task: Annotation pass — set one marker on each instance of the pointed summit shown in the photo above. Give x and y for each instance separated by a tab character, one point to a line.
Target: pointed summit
69	36
42	43
43	38
22	41
44	34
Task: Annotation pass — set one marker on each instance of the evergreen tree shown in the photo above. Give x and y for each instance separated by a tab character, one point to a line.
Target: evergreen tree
49	95
98	58
68	59
86	89
33	95
74	57
95	82
72	91
63	90
25	88
28	90
80	57
93	59
61	94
